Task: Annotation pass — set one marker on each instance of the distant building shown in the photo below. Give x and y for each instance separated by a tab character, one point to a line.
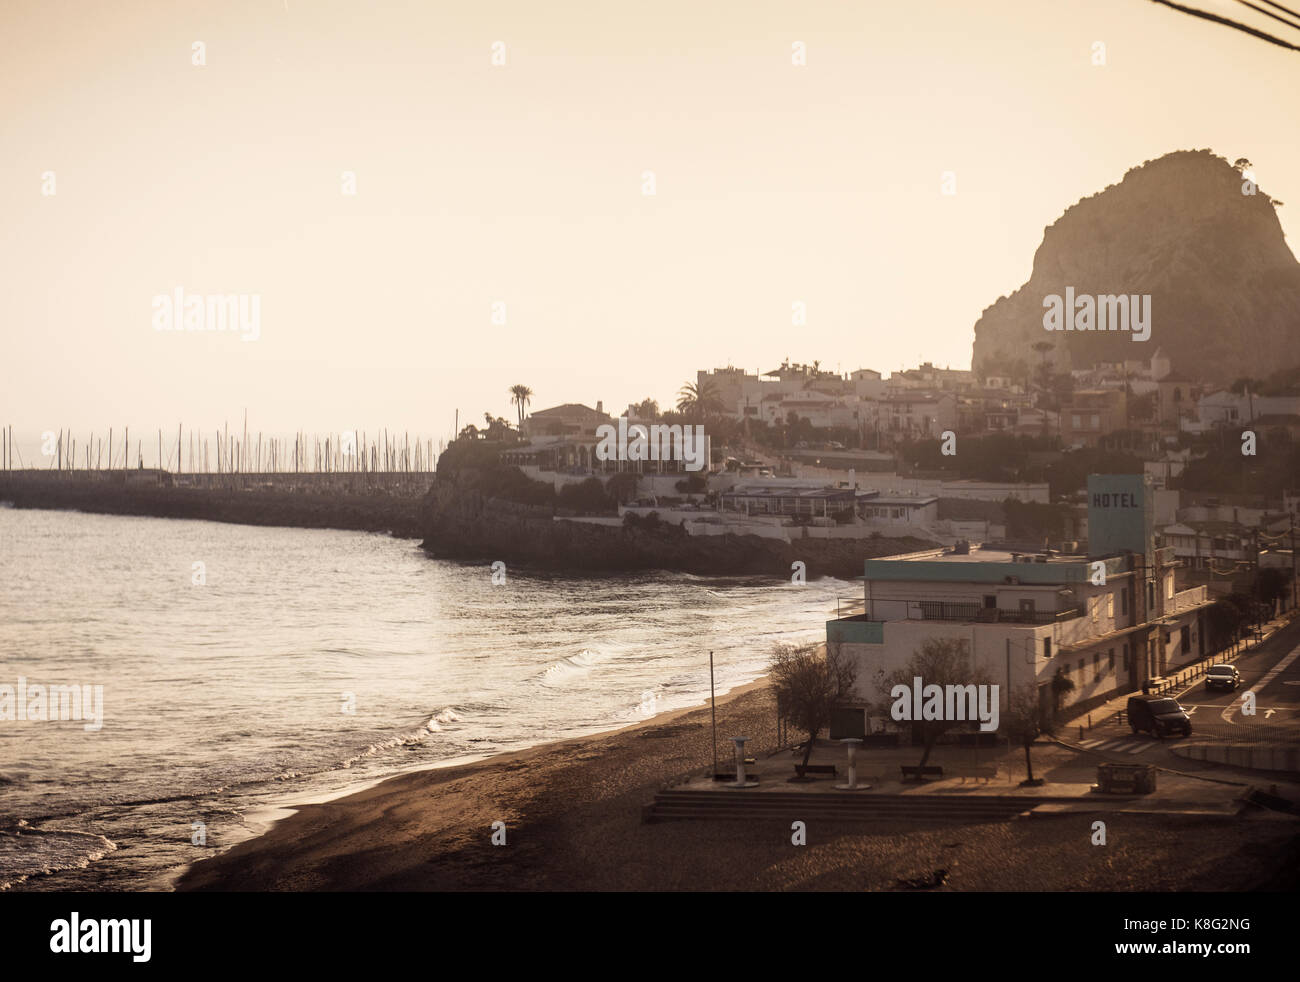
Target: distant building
1091	414
791	499
918	414
572	420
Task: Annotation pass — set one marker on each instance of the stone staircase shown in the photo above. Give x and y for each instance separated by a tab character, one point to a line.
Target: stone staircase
844	806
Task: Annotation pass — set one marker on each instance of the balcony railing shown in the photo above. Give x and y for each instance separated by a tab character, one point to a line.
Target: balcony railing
950	610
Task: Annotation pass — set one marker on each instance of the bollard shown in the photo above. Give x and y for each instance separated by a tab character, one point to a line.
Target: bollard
852	785
740	765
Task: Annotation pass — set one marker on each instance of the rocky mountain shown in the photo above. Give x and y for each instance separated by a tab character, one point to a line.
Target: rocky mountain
1224	285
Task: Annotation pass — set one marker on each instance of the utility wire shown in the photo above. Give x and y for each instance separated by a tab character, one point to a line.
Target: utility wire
1280	20
1286	10
1206	15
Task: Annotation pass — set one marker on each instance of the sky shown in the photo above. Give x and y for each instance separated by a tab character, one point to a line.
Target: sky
484	189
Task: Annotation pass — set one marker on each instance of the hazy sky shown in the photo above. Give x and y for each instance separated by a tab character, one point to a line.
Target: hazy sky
478	183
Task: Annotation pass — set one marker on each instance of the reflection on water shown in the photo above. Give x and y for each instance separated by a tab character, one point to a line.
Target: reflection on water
293	663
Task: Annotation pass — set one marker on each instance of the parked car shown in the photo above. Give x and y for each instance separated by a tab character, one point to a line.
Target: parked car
1160	716
1222	677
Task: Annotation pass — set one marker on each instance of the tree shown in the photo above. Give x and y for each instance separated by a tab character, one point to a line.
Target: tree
699	400
498	428
809	686
622	486
1062	685
587	498
647	408
1025	723
1270	584
519	397
941	662
1044	370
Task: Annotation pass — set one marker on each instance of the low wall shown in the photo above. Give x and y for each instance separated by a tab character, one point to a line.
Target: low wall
1244	755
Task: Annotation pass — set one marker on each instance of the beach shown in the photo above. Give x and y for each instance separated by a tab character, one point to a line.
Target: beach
572	814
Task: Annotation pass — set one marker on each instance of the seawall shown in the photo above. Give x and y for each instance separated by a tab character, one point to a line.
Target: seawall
300	501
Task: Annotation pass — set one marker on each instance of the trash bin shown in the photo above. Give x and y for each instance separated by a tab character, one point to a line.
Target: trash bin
1126	778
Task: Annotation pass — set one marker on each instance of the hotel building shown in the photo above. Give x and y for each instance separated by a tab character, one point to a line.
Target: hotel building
1025	617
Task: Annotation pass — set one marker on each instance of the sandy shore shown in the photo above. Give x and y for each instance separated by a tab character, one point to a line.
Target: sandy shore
572	813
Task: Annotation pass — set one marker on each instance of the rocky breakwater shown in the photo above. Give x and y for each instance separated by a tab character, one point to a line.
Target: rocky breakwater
264	501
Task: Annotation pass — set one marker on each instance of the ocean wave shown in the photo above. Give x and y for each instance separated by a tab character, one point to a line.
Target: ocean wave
570	666
432	725
26	852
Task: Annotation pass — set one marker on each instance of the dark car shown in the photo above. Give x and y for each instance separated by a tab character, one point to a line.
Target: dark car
1223	677
1160	716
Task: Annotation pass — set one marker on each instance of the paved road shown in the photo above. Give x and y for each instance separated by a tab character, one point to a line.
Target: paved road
1272	672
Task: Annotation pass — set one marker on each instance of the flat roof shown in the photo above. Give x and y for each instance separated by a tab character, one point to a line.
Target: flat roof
765	491
992	556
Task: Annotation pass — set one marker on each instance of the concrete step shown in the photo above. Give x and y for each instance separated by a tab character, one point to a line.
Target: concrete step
831	806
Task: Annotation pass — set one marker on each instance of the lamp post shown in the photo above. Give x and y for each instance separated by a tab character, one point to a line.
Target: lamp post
713	702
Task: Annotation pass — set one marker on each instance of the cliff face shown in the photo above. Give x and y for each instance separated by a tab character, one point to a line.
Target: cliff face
1224	286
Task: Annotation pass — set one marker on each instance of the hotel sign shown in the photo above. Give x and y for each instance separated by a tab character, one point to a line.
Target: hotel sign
1120	514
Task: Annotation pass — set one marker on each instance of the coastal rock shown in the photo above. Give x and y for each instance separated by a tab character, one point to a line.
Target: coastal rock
461	521
1225	286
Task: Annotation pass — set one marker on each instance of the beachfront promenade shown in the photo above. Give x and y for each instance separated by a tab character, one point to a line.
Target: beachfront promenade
985	783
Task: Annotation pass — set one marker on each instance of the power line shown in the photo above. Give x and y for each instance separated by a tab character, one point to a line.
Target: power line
1206	15
1287	10
1280	20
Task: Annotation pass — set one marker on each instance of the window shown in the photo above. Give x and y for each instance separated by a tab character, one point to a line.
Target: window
1169	587
1096	664
1095	421
1110	605
1186	641
1092	608
990	600
1110	660
1126	656
1076	422
1047	650
1027	606
1081	671
1123	602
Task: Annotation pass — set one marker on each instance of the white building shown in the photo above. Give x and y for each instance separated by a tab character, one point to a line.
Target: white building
1024	618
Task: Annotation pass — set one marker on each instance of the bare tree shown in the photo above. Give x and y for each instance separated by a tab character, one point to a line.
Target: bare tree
942	662
810	686
1025	723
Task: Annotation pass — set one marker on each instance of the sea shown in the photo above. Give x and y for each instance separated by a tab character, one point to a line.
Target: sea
242	670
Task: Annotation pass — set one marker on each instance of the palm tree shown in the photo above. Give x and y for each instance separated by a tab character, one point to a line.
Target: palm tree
519	396
698	399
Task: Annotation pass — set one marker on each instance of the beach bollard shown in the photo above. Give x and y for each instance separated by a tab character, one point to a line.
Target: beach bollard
740	765
852	785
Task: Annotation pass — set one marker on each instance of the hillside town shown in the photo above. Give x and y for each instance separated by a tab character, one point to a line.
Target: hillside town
994	470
